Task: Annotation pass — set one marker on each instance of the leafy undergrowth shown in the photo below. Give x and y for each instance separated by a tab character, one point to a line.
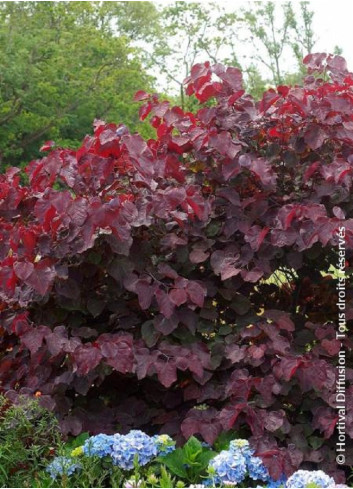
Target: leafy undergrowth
134	274
33	453
29	438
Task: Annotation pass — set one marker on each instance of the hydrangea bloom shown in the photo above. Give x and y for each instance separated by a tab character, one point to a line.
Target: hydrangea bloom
228	467
243	447
255	466
77	452
98	445
304	478
239	444
164	443
126	447
62	466
256	469
281	482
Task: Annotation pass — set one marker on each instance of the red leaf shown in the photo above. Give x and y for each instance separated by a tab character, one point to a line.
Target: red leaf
167	373
204	423
141	95
283	90
41	278
165	305
166	325
232	77
255	236
233	98
145	293
224	264
178	296
325	420
29	239
33	339
235	353
118	351
198	256
269	98
196	293
86	358
331	346
47	146
315	61
145	110
338	212
309	172
207	91
287	367
315	136
264	171
23	269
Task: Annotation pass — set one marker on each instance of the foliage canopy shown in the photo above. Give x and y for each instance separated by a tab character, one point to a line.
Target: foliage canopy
133	273
74	64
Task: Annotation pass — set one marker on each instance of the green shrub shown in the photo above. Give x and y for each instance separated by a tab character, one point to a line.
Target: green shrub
29	437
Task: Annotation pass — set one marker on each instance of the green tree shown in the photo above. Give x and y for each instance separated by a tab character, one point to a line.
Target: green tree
74	63
192	32
277	33
248	38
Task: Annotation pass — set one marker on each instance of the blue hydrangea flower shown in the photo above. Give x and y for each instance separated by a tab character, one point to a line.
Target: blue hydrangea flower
126	447
256	469
281	482
303	478
240	444
229	467
208	483
98	445
255	466
164	443
62	466
243	447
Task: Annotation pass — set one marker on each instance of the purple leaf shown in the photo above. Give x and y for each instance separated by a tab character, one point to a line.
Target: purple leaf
166	306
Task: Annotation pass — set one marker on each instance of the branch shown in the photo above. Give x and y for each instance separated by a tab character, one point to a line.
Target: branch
15	110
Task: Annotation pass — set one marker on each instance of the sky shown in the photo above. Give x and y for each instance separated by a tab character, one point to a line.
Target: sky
332	25
332	22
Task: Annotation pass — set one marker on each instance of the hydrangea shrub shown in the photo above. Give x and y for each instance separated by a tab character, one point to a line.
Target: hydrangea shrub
143	462
175	284
233	466
306	478
62	466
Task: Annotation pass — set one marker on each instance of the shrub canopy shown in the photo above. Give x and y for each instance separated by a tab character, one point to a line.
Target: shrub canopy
175	284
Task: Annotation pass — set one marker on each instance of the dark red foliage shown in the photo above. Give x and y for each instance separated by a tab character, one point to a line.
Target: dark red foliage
133	273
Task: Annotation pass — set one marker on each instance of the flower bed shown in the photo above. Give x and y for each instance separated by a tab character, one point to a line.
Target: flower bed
34	453
139	460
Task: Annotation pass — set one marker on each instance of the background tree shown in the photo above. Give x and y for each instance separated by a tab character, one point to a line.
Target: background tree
278	33
74	64
247	38
84	60
192	31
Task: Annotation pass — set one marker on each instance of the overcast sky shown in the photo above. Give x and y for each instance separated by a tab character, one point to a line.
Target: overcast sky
332	26
333	22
